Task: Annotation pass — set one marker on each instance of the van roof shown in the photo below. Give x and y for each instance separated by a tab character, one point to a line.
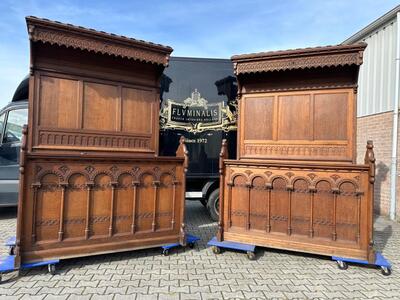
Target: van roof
22	91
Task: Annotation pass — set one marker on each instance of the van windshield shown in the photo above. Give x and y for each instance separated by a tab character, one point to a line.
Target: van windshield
15	121
2	116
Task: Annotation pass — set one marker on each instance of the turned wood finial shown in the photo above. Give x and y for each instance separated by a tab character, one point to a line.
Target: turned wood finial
370	160
223	155
183	152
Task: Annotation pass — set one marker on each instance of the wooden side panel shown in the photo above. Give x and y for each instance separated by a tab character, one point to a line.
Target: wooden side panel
324	208
314	125
165	202
330	116
59	102
347	213
258	204
123	206
145	205
75	207
279	206
261	110
100	106
239	203
100	206
300	209
294	117
47	212
137	108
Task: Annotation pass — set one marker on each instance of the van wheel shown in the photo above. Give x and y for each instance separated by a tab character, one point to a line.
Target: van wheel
213	205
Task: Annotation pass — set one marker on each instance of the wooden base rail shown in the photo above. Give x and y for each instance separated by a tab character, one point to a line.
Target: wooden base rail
324	208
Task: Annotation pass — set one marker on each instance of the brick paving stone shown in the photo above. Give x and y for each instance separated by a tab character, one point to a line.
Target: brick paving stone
124	297
28	291
31	297
93	290
102	297
79	297
146	297
75	290
10	297
168	296
200	274
50	291
195	296
56	297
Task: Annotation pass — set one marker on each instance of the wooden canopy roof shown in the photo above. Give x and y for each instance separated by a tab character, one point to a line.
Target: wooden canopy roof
339	55
77	37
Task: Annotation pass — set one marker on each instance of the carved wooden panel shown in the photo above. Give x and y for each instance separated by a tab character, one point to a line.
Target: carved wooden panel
307	125
70	205
321	208
83	115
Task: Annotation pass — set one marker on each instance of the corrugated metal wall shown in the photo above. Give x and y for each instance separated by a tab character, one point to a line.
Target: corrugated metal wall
377	73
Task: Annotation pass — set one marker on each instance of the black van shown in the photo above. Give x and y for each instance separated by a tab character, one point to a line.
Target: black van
197	100
12	119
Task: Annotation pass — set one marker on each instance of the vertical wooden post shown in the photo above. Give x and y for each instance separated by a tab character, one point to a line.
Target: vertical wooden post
228	204
184	153
369	160
111	225
35	187
289	223
156	185
336	192
358	195
133	225
222	156
89	187
61	218
313	190
21	197
174	183
248	186
269	188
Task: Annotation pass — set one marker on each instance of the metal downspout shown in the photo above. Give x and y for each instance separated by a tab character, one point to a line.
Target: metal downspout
393	169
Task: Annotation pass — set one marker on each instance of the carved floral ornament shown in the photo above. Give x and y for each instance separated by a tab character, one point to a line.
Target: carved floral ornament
55	33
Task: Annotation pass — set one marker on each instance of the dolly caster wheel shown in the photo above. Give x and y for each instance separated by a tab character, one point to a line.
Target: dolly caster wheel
342	265
251	255
191	245
52	269
386	271
11	250
216	249
165	252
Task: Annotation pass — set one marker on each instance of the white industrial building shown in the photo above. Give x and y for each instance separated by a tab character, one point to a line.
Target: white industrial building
378	106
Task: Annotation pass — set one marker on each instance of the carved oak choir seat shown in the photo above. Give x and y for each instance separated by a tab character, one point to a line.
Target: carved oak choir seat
91	179
295	184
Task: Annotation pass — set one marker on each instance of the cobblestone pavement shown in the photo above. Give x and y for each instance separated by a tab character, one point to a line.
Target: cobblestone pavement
199	274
